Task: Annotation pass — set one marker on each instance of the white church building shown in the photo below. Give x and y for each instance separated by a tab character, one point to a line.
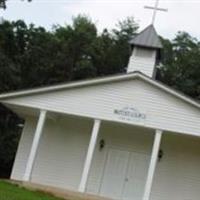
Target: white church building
125	137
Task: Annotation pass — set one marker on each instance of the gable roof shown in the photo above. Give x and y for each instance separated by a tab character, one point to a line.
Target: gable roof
147	38
95	81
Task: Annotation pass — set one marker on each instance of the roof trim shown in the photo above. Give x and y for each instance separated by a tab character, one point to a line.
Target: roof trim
95	81
69	85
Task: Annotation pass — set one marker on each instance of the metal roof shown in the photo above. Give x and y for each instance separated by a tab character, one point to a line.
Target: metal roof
147	38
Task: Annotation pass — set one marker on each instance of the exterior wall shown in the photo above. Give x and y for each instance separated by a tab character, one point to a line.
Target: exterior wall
142	60
61	153
126	138
177	175
163	111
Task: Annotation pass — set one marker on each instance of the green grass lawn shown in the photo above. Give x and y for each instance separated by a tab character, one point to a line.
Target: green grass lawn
13	192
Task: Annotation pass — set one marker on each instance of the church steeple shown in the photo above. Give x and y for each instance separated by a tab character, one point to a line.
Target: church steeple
146	48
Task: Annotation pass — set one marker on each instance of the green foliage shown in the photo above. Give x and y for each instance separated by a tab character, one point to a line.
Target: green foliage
111	50
181	62
76	42
9	136
14	192
3	3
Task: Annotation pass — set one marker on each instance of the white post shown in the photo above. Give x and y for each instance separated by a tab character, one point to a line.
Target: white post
34	147
152	165
89	155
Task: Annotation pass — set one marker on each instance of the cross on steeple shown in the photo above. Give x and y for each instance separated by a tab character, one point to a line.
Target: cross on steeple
155	9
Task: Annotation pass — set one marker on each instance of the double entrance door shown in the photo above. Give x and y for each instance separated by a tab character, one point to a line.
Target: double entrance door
124	175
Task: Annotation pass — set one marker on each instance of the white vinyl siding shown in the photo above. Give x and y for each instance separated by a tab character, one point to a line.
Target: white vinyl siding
23	149
61	153
163	110
177	175
142	60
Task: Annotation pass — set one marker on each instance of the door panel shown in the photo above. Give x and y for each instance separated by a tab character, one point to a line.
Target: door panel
136	176
125	175
114	174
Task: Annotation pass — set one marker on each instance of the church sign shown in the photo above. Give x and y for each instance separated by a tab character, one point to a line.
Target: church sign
130	113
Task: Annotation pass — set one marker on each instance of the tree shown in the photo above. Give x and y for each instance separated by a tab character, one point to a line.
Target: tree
112	50
3	3
76	43
9	137
181	64
125	31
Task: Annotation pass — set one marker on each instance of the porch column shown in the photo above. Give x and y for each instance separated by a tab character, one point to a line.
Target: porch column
34	147
152	165
89	155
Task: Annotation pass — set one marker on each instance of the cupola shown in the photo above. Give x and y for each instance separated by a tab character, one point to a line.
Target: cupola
145	54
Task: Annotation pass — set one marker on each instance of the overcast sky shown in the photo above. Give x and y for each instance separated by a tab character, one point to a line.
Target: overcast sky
182	14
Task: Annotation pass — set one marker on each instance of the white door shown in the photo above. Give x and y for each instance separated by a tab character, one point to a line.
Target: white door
136	176
125	175
114	173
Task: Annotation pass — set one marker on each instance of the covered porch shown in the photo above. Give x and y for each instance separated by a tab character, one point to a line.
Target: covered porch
107	158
